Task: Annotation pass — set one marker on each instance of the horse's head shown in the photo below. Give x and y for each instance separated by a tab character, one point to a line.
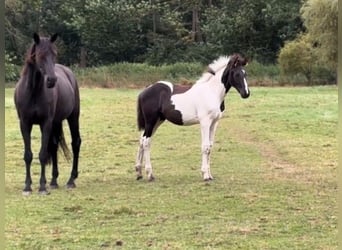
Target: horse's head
43	55
234	75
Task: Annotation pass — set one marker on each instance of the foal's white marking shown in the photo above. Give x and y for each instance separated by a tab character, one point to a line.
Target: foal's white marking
169	84
245	81
246	86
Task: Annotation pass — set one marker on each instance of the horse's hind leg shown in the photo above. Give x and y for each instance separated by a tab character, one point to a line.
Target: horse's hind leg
53	148
76	145
44	154
26	133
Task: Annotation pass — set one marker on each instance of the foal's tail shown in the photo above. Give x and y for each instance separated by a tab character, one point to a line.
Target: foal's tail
140	116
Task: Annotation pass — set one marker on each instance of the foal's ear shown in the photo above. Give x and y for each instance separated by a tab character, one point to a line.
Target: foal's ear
36	38
53	37
244	61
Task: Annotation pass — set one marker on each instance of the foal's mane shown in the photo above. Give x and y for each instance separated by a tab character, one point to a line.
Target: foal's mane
229	62
236	60
214	67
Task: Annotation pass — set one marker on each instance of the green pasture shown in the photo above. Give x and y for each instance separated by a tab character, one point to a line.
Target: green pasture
274	164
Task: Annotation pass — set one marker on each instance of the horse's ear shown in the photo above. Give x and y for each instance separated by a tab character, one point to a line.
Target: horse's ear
53	37
36	38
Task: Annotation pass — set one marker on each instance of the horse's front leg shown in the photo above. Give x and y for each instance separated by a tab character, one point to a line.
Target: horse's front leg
44	154
206	149
26	133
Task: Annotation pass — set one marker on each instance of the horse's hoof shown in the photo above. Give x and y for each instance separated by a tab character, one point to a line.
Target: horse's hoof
151	178
54	186
27	192
139	177
43	192
71	185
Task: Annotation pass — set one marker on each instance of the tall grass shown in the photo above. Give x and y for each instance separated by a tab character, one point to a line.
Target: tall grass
137	75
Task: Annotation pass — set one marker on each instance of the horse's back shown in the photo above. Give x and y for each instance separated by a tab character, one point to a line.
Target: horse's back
68	93
66	75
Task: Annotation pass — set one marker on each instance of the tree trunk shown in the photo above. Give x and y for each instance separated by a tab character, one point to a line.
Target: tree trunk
196	34
83	57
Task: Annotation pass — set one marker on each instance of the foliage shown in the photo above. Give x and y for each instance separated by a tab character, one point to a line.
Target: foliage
314	53
255	28
274	160
155	31
320	19
298	57
11	70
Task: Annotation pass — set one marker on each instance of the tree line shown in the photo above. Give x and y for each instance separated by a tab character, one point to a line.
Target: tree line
102	32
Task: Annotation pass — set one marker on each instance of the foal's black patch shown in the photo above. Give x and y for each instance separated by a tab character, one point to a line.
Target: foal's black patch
222	107
154	104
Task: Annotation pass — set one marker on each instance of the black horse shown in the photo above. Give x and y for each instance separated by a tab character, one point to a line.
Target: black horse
46	94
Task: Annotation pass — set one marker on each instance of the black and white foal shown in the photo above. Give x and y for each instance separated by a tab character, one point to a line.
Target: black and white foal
203	103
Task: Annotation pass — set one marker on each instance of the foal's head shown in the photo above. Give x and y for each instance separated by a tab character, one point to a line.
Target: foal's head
234	75
43	55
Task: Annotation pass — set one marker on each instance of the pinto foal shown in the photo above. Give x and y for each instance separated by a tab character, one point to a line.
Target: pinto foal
203	103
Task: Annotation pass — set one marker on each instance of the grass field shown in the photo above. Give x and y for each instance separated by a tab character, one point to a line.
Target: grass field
274	163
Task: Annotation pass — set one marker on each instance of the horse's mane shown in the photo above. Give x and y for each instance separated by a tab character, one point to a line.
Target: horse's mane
44	47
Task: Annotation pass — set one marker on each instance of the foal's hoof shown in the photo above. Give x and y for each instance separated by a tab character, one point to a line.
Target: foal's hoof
139	177
208	179
151	178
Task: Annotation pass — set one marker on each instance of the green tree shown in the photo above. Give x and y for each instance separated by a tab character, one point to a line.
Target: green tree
257	28
320	19
298	57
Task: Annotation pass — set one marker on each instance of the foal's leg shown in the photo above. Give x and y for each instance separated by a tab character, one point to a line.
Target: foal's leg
76	145
26	133
147	154
140	157
206	149
150	129
212	132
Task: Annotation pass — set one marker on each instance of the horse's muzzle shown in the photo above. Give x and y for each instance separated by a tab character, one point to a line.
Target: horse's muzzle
51	81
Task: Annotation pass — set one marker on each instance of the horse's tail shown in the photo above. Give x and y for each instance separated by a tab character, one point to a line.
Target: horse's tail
57	136
140	116
64	146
